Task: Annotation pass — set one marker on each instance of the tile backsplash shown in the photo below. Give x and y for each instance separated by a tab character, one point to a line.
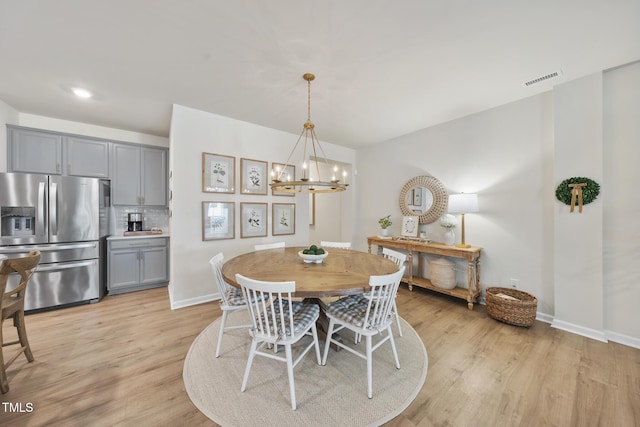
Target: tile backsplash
152	218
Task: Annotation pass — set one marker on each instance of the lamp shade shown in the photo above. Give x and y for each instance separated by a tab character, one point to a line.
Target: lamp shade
463	203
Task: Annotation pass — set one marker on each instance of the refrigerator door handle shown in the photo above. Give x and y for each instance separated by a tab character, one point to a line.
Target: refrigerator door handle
71	246
41	209
53	209
65	266
23	249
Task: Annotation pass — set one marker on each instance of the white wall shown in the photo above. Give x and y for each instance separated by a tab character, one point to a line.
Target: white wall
621	202
508	155
192	133
59	125
578	237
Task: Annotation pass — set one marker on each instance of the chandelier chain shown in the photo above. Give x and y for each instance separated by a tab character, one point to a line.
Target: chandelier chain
305	183
309	101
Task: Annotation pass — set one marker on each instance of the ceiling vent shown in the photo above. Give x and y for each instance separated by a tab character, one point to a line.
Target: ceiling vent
541	79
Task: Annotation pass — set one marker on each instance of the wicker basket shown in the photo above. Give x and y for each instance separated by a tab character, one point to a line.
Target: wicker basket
520	311
442	273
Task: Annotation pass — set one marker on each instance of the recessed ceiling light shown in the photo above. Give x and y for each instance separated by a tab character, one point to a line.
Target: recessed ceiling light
82	93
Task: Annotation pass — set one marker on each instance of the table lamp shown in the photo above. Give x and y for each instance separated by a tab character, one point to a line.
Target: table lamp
463	203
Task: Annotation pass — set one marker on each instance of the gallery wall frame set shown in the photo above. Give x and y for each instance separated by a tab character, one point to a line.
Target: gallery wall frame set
218	218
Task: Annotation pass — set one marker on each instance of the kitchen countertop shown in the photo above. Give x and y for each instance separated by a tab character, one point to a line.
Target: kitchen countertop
151	236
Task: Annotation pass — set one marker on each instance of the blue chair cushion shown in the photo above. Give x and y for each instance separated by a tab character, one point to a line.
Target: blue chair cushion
303	316
351	309
235	296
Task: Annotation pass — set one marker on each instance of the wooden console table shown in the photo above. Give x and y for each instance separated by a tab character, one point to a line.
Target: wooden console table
471	254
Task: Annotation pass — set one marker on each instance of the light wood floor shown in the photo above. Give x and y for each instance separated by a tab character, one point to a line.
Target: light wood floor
119	363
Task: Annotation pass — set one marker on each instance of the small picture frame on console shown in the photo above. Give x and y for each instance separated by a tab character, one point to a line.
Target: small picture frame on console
410	226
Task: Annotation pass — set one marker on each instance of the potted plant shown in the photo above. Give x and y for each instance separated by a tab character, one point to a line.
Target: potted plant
385	223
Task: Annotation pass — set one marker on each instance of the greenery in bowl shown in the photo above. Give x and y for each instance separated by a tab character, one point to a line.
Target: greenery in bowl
385	222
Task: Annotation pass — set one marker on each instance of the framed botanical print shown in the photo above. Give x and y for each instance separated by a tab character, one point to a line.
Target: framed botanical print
283	218
253	177
286	173
218	220
253	218
410	226
218	173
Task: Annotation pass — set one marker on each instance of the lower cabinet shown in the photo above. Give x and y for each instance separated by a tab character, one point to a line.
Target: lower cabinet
137	263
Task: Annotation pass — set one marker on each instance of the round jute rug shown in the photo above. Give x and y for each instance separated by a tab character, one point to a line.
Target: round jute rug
331	395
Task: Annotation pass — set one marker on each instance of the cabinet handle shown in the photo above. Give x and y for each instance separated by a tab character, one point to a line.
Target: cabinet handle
69	169
58	167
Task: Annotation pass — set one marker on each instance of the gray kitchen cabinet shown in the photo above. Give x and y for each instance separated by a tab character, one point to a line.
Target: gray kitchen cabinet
54	153
139	176
137	263
85	157
34	151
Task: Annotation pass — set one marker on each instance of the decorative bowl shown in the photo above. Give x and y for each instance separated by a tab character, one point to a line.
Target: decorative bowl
313	258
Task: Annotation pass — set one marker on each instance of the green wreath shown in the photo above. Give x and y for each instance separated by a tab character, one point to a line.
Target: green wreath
589	192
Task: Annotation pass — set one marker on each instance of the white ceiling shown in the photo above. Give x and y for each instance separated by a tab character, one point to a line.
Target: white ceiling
383	68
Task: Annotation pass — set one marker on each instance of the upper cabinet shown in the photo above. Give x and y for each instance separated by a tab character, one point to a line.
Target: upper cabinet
139	176
36	151
85	157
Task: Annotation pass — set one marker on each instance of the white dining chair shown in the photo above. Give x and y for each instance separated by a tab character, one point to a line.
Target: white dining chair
399	258
366	316
341	245
268	246
278	320
231	299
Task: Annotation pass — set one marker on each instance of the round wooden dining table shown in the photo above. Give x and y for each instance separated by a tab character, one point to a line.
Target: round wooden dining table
343	271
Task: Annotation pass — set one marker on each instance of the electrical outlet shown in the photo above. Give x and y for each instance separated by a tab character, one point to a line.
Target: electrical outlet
514	283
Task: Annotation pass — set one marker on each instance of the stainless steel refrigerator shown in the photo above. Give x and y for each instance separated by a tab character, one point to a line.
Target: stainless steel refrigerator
66	219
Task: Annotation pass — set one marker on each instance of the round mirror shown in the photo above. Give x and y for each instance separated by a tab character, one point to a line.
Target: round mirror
424	196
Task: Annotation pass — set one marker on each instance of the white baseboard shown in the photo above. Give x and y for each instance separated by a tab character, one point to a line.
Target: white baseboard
543	317
580	330
194	301
623	339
